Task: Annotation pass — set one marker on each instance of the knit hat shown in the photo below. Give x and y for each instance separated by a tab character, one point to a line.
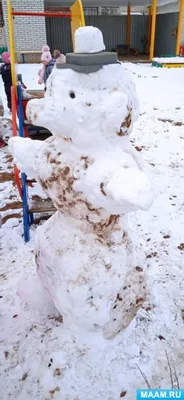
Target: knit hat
46	55
6	57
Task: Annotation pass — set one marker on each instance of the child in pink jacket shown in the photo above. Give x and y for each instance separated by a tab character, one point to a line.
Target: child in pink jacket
42	70
48	65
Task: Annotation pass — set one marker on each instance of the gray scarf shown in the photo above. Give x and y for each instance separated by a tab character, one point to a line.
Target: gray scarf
88	63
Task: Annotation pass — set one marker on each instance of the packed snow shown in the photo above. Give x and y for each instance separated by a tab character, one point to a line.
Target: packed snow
169	60
37	356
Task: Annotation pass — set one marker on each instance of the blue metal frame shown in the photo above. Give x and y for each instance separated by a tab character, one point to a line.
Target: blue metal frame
27	217
26	221
20	111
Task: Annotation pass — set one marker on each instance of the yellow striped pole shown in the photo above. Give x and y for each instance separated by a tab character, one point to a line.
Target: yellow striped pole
153	28
11	41
77	18
179	30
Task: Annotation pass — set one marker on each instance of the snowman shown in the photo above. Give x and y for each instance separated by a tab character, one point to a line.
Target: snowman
86	255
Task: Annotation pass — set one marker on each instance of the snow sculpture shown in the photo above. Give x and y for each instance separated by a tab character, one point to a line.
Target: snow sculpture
84	253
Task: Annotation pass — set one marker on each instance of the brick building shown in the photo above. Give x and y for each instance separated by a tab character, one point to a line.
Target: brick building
30	33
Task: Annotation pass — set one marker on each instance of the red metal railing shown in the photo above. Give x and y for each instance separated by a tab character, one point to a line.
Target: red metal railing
42	14
14	128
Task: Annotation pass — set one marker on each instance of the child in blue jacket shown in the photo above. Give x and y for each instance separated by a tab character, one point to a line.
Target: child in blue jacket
6	76
5	71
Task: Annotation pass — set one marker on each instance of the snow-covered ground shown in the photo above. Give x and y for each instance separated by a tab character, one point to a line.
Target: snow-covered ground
36	359
169	60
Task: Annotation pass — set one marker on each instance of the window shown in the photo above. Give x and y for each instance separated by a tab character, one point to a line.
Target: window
110	11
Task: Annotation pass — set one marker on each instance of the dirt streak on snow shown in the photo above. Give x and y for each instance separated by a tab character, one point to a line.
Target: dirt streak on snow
34	352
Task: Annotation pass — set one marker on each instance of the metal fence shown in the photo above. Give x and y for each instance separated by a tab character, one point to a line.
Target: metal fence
114	32
112	27
139	32
165	43
59	34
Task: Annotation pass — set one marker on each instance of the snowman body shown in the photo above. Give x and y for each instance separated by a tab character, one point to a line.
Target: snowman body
85	255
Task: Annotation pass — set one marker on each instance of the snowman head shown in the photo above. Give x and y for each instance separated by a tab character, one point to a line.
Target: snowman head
89	40
91	99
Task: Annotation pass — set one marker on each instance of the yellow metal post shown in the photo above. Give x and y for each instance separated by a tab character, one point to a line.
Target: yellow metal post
153	28
11	41
179	30
128	27
77	18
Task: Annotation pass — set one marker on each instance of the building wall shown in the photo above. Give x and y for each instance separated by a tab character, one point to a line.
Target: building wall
30	32
2	37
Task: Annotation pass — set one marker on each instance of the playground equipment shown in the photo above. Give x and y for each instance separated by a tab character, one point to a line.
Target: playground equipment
19	105
27	130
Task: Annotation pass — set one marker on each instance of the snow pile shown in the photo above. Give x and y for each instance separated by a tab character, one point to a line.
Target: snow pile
40	299
96	289
86	256
169	60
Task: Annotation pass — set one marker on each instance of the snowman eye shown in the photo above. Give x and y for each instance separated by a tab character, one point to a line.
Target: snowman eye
72	95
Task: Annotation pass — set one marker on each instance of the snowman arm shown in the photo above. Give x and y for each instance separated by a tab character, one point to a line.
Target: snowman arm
120	191
130	149
130	186
25	152
137	158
